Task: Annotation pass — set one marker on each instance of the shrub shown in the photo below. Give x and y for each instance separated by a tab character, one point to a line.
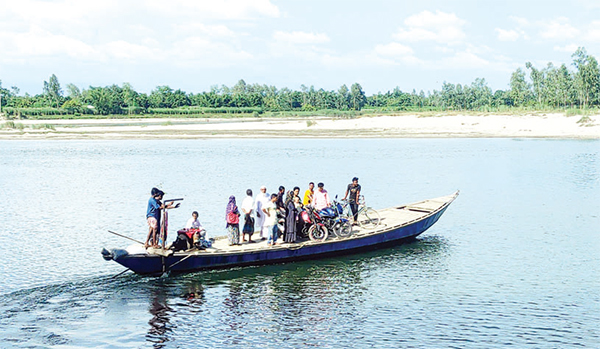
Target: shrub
584	120
11	125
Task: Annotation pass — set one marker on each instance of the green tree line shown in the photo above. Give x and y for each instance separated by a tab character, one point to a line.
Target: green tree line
550	87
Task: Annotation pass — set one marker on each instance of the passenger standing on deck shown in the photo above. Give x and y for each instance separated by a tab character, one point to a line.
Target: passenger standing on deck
280	199
153	215
354	191
270	211
321	197
308	194
232	215
299	207
291	218
261	200
247	209
281	208
296	192
288	198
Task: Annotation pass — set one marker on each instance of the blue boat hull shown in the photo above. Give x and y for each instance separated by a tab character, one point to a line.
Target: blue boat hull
178	263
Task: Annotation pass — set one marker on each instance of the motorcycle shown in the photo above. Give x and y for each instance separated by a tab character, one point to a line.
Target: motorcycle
329	219
312	225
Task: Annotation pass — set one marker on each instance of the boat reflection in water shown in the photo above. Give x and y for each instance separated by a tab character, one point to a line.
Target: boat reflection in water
293	302
159	323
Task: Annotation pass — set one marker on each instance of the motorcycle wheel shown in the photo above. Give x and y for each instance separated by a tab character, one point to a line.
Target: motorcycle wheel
317	232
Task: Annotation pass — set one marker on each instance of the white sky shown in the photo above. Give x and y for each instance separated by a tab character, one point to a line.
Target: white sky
194	44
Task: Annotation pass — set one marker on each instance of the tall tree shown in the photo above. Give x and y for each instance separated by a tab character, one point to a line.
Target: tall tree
519	88
73	91
52	90
537	78
587	77
566	88
4	96
357	97
129	97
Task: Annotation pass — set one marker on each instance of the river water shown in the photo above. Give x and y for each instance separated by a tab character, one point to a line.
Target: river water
515	260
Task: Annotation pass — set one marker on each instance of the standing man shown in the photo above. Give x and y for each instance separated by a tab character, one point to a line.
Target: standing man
354	191
261	200
247	208
280	197
153	215
321	197
308	194
270	210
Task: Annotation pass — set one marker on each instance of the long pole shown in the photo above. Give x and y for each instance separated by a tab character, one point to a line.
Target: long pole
168	271
126	237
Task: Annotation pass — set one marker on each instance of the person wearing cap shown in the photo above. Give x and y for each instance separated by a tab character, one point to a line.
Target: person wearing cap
261	200
321	197
153	215
354	191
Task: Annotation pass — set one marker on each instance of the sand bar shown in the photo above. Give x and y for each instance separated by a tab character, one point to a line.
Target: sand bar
404	126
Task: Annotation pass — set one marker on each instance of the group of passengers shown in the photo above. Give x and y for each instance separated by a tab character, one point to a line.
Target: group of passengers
271	215
278	213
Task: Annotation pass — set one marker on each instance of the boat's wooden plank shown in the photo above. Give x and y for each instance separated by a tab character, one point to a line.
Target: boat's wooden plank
159	252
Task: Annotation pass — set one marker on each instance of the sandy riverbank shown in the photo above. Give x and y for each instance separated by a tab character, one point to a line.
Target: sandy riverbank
405	126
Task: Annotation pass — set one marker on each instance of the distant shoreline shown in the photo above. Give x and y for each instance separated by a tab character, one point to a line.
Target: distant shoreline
403	126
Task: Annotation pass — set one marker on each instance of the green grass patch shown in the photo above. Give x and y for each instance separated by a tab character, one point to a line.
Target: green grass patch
584	121
43	127
11	125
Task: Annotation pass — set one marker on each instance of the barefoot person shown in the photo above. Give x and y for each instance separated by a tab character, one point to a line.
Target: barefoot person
247	209
354	191
261	201
153	215
270	211
232	216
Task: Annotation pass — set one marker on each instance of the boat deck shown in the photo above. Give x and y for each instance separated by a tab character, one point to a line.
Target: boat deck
391	218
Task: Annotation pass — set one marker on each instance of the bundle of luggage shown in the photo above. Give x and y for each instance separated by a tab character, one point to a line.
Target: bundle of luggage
191	238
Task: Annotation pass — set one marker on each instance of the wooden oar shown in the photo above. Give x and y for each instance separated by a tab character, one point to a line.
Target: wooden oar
126	237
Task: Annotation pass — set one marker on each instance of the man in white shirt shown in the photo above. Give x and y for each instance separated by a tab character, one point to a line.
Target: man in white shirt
247	208
194	223
270	212
321	197
261	200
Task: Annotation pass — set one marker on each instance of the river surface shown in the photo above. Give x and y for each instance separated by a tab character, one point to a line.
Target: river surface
515	260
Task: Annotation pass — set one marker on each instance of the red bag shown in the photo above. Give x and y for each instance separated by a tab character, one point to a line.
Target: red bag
233	218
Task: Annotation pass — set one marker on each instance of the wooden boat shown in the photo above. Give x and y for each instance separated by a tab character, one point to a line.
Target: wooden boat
398	224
